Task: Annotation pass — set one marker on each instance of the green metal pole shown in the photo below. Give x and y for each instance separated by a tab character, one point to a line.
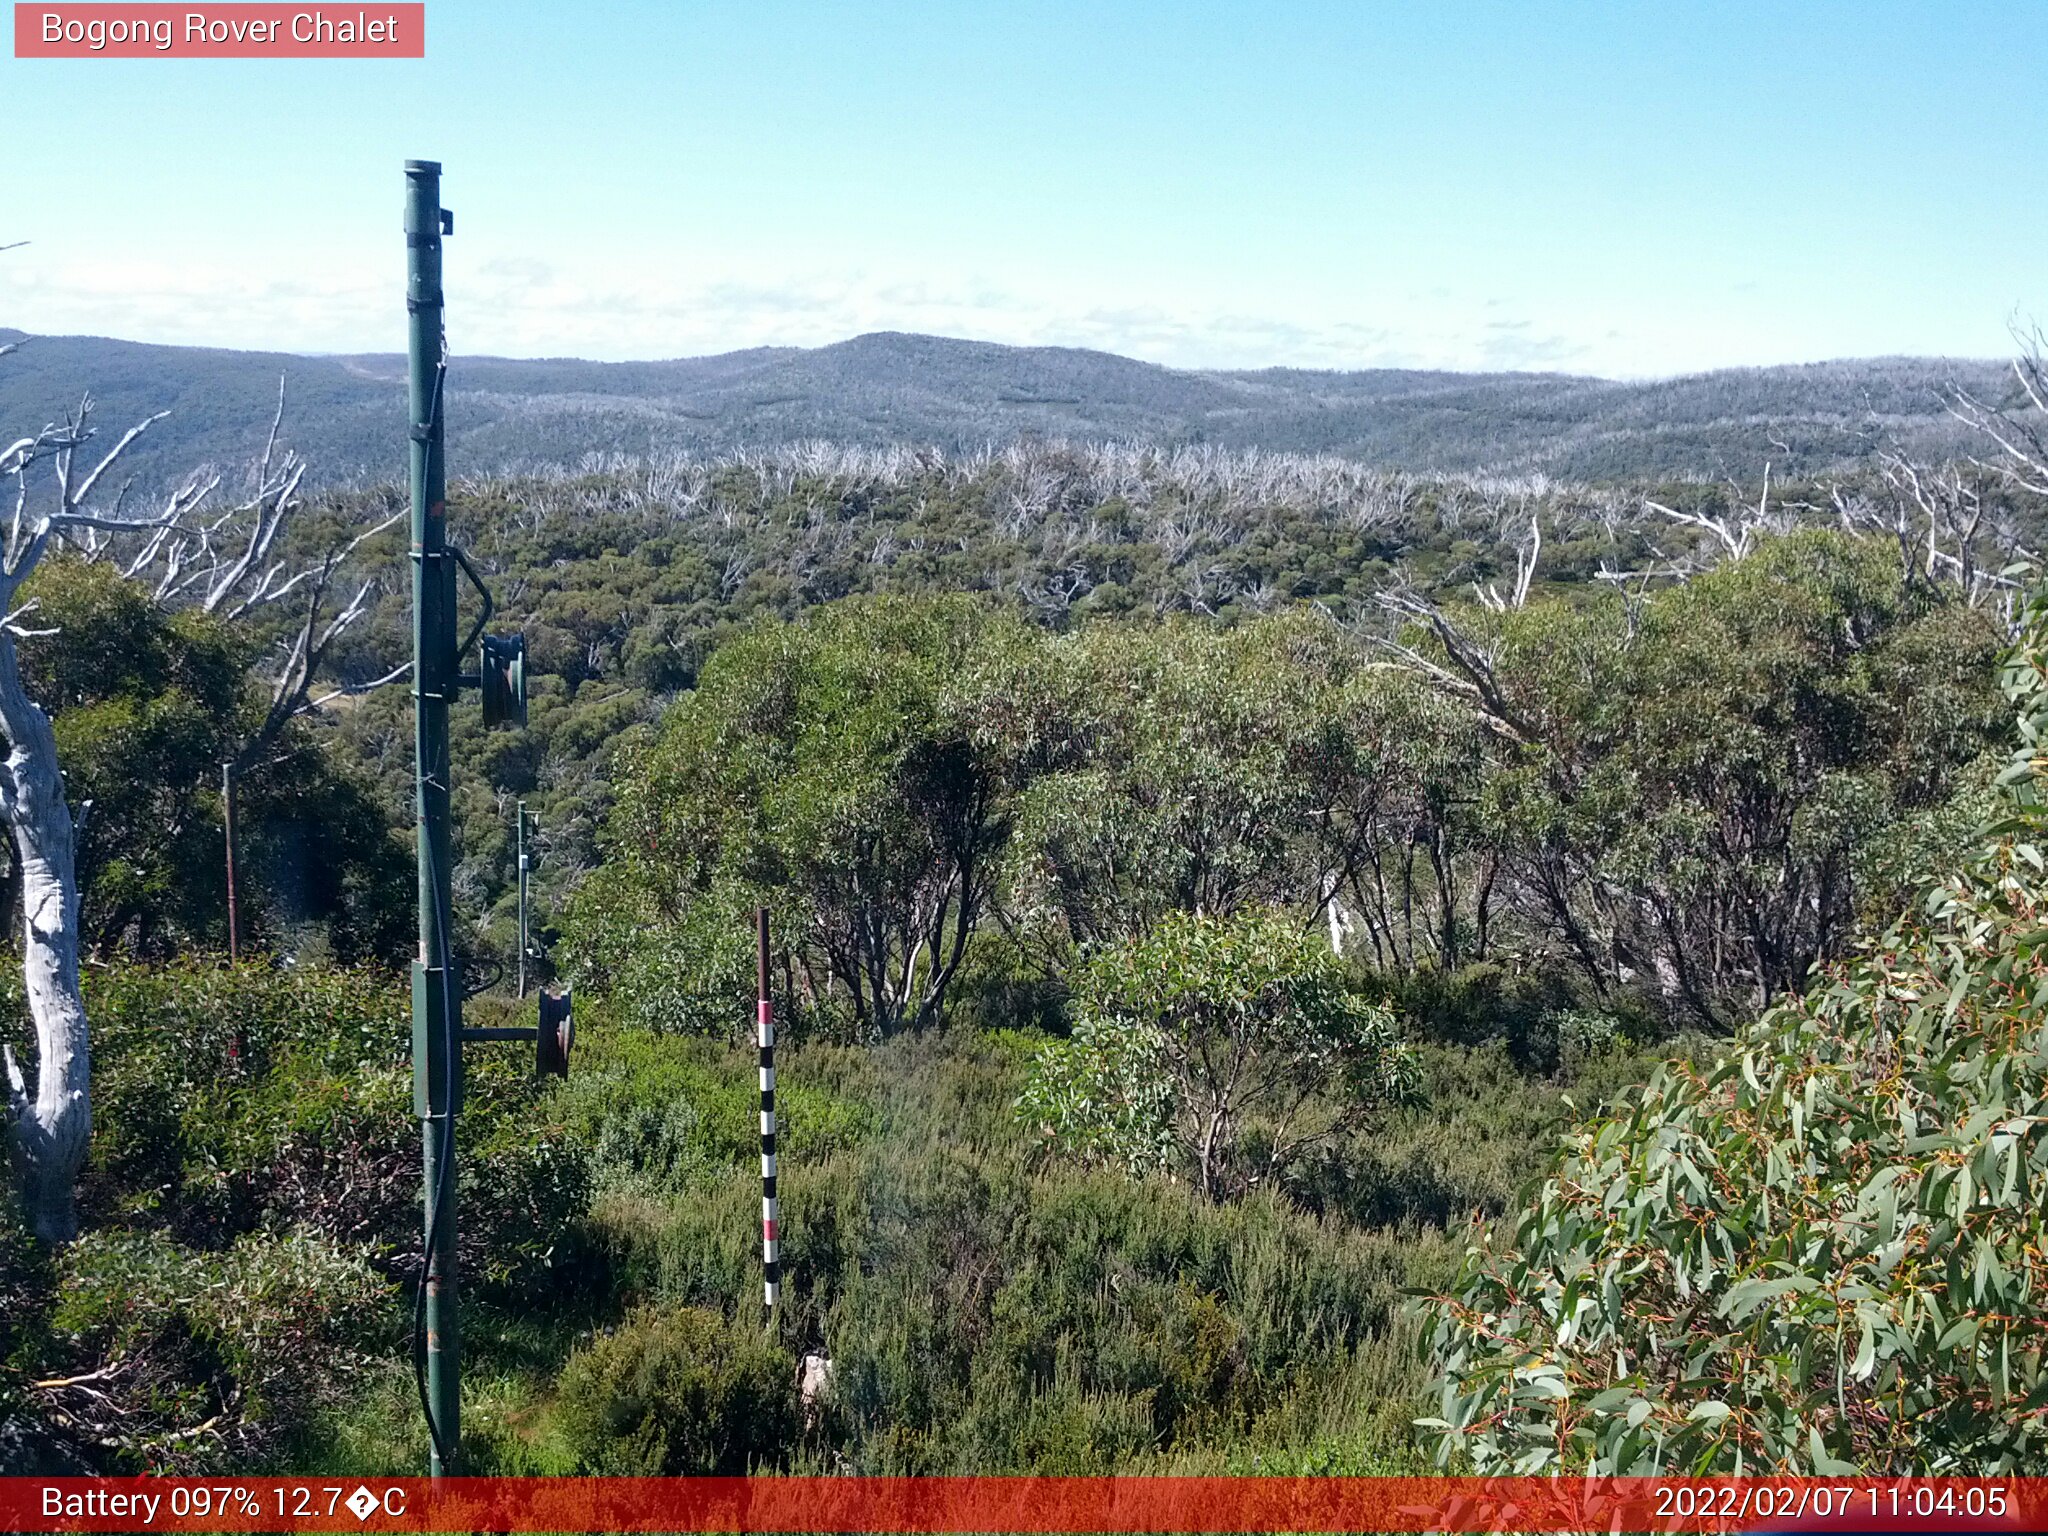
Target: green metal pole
522	898
436	998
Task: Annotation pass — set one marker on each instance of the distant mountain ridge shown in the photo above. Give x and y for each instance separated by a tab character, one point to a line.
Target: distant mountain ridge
346	413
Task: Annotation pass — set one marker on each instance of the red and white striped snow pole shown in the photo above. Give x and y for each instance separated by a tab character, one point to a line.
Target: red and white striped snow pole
764	1023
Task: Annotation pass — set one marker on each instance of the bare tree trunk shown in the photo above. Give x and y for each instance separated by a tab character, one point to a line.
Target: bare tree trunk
50	1128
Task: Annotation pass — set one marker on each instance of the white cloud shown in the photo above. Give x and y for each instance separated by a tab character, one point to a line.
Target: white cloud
527	306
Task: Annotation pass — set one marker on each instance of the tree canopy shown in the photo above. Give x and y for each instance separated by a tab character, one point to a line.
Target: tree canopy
1823	1250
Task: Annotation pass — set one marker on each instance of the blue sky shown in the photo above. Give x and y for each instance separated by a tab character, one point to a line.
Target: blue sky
1628	189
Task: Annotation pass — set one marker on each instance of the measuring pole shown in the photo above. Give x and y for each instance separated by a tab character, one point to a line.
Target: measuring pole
436	996
522	898
764	1017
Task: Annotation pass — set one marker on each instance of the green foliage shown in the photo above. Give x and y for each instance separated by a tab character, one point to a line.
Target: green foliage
987	1314
174	1359
1464	1148
1180	767
1217	1049
829	769
252	1198
1549	1016
146	705
177	1048
1042	812
1822	1252
1685	802
627	580
24	1281
1003	987
1666	812
679	1392
665	1116
230	1100
1094	822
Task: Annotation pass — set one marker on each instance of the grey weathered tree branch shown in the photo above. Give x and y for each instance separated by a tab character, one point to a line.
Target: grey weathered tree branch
2019	429
231	565
1469	669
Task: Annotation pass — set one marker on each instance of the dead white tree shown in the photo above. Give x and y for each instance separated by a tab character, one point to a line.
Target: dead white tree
2019	427
51	1125
1527	553
227	563
1938	521
1470	664
230	562
1737	535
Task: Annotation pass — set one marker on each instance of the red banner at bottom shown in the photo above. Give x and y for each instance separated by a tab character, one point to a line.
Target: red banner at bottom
1033	1504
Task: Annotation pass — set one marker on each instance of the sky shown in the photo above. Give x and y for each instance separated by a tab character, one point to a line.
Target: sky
1622	189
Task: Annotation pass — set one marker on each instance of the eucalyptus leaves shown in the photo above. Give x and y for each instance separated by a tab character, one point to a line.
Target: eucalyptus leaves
1823	1253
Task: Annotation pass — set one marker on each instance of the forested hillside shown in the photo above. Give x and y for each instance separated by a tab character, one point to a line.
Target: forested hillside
1207	885
891	389
626	581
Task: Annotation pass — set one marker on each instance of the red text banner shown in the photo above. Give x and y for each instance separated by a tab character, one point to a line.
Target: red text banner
1024	1504
115	31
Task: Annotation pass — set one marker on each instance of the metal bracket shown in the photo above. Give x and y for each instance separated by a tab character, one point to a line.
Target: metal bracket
482	591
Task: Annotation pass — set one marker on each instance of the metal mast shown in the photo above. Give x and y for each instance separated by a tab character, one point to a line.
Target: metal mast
523	945
500	679
436	997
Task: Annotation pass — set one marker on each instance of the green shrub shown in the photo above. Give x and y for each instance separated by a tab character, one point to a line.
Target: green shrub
526	1179
992	1321
1466	1146
172	1359
985	1316
236	1099
998	987
1219	1049
664	1115
690	975
1548	1016
834	770
679	1392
